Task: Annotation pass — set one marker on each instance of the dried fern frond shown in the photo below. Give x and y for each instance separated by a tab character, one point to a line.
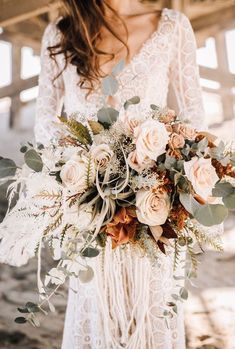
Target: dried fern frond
51	227
214	241
176	254
193	258
89	172
49	196
63	233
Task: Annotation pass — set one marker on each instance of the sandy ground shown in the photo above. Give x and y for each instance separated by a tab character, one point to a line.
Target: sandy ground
210	310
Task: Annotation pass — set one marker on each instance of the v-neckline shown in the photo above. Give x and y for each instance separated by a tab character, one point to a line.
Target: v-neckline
145	43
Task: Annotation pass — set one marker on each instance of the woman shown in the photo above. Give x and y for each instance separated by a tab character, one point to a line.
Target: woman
123	306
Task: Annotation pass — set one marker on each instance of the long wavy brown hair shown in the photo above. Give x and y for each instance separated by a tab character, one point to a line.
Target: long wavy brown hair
80	27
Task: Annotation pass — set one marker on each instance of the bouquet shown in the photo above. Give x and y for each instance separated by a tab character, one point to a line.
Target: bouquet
152	181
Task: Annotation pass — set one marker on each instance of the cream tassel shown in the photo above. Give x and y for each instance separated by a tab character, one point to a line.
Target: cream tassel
123	286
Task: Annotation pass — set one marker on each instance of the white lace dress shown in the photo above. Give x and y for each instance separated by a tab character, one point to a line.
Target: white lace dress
123	306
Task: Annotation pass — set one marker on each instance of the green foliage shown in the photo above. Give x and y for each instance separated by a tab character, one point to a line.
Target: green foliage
131	101
20	320
209	215
107	115
222	189
218	152
78	130
183	293
90	252
229	200
33	160
86	275
101	239
7	168
23	149
170	162
227	192
189	203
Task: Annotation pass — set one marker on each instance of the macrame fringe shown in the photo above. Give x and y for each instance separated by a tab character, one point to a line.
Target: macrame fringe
123	288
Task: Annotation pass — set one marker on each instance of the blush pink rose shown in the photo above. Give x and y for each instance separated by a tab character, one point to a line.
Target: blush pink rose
152	206
186	131
151	140
202	175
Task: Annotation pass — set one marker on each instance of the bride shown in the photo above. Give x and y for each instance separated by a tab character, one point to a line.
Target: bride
123	306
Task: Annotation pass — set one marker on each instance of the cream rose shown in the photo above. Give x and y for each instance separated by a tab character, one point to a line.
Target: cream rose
185	130
152	206
169	116
151	140
130	120
74	173
136	165
176	141
102	154
202	175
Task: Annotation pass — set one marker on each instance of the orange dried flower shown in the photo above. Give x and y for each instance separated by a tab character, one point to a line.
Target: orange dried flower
123	226
223	170
179	215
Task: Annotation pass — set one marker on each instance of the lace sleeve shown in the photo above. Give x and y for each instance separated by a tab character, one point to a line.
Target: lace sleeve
50	91
184	74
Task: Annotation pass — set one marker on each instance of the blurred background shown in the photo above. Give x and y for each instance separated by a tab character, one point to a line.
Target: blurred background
210	311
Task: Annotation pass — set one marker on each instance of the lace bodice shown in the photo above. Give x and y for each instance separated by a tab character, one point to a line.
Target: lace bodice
166	61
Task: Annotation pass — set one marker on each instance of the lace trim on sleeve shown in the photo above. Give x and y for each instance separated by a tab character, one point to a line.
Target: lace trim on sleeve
50	90
184	73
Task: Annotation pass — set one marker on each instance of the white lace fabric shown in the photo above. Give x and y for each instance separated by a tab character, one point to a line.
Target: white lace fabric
122	307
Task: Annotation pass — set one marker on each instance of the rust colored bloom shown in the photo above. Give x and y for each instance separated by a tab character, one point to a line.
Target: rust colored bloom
179	215
123	226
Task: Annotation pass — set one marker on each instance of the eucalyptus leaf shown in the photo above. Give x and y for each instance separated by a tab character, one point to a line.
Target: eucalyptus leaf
90	252
209	215
119	67
202	145
218	152
32	307
225	161
33	160
170	162
189	203
86	275
7	168
222	189
232	159
154	107
23	149
20	320
184	293
229	200
131	101
107	115
109	85
23	310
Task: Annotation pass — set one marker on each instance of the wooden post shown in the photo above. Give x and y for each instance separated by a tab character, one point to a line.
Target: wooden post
222	57
15	98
